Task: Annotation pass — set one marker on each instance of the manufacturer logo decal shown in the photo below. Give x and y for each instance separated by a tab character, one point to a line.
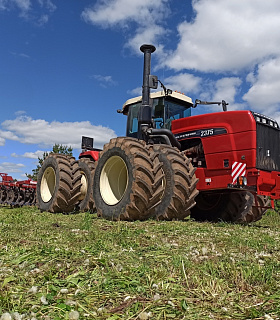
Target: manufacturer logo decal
203	133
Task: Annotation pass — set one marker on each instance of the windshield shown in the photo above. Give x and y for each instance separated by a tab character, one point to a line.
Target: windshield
164	112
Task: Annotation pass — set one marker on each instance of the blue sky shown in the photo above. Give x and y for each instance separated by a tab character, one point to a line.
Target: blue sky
67	66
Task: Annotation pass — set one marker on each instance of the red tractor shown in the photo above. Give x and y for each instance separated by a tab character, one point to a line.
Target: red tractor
217	166
17	193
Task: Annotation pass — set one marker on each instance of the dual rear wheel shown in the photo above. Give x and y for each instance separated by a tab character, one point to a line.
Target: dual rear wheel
65	185
136	181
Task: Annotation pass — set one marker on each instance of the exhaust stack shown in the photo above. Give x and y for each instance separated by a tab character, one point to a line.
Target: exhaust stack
145	111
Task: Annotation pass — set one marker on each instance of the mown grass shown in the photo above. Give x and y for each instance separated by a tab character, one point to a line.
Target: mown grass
52	265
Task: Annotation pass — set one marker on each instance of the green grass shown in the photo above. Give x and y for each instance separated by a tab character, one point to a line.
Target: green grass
52	264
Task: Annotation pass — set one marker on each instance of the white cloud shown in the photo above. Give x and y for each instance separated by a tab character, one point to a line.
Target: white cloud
2	142
47	4
20	55
148	15
23	5
264	94
183	82
111	12
227	35
37	11
226	89
146	34
135	92
30	131
9	167
104	81
31	155
43	20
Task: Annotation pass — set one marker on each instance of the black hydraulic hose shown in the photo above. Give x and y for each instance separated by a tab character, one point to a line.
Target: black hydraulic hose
165	132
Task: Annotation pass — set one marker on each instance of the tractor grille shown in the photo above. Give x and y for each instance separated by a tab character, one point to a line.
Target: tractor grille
268	143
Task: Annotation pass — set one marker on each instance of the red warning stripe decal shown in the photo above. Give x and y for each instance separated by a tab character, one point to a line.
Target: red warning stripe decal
238	169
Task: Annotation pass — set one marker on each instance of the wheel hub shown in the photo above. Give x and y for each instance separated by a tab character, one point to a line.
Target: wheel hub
48	184
113	180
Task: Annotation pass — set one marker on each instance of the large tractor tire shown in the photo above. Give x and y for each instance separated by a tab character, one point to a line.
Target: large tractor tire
86	167
123	180
210	206
57	188
260	205
175	184
239	207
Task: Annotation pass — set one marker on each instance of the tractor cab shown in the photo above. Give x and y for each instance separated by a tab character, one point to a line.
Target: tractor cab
165	109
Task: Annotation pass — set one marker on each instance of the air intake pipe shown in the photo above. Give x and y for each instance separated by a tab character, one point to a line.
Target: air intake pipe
145	111
145	124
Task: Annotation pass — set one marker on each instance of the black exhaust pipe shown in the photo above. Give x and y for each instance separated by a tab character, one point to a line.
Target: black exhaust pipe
146	131
145	111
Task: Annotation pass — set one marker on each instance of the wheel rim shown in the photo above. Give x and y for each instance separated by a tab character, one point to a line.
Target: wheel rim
84	186
48	184
113	180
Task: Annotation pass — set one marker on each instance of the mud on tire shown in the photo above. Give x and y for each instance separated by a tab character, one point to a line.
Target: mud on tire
86	167
175	183
260	205
209	206
239	207
56	191
235	206
123	179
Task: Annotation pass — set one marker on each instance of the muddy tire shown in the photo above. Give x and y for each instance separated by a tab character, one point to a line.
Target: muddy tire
55	189
34	198
3	195
21	198
86	167
210	206
175	184
11	196
239	207
28	198
123	179
260	205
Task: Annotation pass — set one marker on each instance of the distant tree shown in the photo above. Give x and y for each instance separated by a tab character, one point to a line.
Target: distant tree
57	148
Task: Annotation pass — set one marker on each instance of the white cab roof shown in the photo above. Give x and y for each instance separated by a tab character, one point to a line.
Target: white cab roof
154	95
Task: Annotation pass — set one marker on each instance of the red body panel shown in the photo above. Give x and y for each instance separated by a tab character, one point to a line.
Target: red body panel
94	155
236	144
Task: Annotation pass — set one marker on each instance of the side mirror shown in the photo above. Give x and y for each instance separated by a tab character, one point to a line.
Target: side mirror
153	82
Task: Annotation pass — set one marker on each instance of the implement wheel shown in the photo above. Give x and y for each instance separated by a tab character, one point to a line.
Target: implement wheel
21	198
175	184
55	189
11	196
123	179
3	195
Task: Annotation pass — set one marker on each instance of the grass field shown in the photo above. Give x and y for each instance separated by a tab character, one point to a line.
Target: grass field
80	267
